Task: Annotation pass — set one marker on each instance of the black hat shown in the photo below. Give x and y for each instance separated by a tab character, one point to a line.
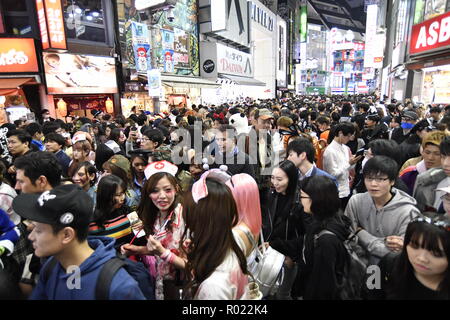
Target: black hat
140	152
410	114
63	205
95	112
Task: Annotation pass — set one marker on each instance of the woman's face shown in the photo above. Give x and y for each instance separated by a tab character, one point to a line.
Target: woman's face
138	166
306	202
119	197
82	178
107	131
427	263
122	137
163	195
279	180
79	155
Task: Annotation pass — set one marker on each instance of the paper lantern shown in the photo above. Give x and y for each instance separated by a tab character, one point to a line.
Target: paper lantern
109	105
62	107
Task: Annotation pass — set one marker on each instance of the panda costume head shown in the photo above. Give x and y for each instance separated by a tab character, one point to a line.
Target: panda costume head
240	122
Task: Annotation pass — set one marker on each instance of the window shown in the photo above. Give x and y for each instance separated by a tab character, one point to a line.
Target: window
434	8
85	20
17	18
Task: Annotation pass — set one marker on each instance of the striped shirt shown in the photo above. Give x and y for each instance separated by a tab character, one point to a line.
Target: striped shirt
118	228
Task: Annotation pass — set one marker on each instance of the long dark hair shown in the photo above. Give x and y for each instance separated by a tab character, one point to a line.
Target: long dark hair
292	173
147	211
210	223
403	272
107	188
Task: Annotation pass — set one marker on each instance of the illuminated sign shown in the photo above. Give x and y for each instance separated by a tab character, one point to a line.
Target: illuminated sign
303	23
18	55
431	34
51	24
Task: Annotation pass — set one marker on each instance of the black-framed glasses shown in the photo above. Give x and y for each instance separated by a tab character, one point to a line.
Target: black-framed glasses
376	179
439	221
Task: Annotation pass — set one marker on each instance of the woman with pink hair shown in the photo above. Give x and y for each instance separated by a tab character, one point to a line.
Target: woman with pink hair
246	194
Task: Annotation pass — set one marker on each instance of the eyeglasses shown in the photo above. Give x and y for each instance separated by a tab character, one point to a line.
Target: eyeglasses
145	139
445	198
377	180
439	221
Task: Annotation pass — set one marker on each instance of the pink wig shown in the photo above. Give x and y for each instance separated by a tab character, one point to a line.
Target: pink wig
246	194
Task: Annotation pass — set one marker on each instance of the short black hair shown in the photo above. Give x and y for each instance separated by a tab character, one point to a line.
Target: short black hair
40	163
155	135
22	135
33	128
323	120
324	194
444	147
381	165
301	145
345	127
50	126
435	110
115	134
364	106
53	136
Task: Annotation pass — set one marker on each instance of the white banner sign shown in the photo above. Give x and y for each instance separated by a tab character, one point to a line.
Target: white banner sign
234	62
154	82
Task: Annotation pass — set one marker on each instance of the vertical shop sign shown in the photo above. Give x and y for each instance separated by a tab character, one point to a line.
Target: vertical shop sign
51	24
141	46
303	23
154	82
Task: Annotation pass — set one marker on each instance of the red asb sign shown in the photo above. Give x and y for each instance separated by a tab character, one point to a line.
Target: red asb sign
431	34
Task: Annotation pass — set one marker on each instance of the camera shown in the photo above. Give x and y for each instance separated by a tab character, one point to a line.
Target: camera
170	15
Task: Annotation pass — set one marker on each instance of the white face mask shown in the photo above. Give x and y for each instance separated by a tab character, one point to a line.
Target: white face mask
364	162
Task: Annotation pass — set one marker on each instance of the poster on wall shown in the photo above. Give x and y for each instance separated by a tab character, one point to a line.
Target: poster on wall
141	47
78	74
167	38
168	61
181	51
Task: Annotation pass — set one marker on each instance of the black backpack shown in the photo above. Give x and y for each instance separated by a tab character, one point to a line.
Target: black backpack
136	270
354	275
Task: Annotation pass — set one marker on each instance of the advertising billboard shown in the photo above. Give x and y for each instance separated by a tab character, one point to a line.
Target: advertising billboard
79	74
18	55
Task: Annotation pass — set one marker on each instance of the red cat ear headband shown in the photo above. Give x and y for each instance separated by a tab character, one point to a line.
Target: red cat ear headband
220	116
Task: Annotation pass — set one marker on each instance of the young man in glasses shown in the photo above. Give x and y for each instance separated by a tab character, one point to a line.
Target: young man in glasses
380	215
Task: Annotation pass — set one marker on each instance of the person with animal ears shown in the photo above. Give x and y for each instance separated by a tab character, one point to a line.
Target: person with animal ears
216	265
160	211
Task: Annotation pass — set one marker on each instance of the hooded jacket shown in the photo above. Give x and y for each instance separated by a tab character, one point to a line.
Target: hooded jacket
426	184
378	224
57	286
322	263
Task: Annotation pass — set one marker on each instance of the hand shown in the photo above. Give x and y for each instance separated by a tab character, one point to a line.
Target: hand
354	159
132	136
129	250
154	246
12	170
394	243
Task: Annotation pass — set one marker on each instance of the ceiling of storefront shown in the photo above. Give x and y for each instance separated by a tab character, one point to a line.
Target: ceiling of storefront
342	14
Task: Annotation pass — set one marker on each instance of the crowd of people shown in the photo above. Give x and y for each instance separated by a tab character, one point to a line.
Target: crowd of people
194	202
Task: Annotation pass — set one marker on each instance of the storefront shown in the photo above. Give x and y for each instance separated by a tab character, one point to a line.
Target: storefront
19	74
430	56
77	84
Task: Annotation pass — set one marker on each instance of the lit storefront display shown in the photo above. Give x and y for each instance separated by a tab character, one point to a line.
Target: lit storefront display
430	52
18	68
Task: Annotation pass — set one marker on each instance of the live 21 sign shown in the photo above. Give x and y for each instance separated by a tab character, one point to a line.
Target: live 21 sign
430	35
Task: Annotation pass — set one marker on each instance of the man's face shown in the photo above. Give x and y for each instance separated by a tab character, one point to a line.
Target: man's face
295	158
370	123
52	146
16	147
445	162
24	184
323	127
45	242
431	156
435	115
261	124
225	142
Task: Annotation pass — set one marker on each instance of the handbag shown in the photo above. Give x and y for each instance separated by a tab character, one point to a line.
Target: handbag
266	267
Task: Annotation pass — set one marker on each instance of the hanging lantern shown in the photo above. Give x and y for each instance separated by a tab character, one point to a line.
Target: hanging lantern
62	107
109	105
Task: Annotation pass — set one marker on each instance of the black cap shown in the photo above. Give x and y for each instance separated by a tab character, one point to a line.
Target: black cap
140	152
63	205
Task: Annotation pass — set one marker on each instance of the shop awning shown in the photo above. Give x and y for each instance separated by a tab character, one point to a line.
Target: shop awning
415	65
10	86
187	82
243	81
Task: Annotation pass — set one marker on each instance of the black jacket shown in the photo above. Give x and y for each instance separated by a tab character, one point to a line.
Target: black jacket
284	224
322	263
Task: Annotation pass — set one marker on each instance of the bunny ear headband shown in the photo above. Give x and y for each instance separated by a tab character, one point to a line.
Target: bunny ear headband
200	190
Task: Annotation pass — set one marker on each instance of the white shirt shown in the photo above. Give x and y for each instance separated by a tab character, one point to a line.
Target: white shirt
336	162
